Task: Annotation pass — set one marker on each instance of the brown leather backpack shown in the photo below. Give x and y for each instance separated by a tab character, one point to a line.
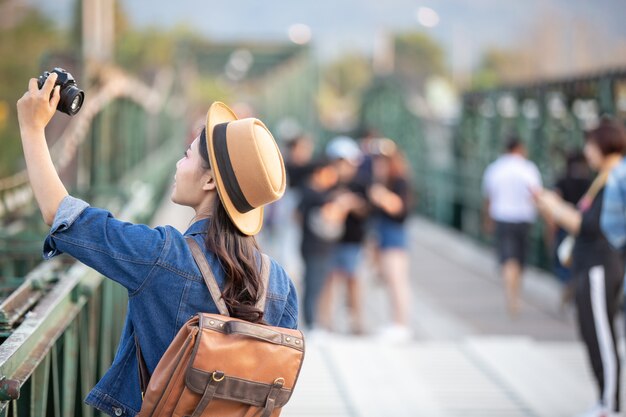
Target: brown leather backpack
222	366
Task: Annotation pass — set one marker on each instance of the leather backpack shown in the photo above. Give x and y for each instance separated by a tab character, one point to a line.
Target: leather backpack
222	366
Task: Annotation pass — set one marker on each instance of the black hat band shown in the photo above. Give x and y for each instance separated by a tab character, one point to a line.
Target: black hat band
231	185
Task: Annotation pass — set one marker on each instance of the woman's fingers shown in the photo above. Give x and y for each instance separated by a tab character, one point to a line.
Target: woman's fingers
37	106
32	85
46	90
56	96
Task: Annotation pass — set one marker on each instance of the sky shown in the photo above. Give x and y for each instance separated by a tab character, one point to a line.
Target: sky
465	29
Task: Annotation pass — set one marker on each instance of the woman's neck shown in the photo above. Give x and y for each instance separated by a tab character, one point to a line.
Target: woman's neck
204	210
610	162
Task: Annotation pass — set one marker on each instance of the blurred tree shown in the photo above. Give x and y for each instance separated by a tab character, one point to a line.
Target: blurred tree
25	38
417	57
342	85
498	67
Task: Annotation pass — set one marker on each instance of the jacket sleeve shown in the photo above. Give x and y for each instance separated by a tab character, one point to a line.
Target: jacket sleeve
122	251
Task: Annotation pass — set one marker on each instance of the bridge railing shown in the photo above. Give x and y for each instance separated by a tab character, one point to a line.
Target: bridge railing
60	321
449	160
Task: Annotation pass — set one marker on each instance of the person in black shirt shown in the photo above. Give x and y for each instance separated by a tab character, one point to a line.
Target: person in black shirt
597	268
390	196
322	214
571	187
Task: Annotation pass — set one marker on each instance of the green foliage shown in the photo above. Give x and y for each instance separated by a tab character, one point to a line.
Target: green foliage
138	50
348	75
22	47
418	56
498	67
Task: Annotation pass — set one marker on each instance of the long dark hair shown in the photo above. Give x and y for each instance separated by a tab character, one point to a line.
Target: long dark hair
237	254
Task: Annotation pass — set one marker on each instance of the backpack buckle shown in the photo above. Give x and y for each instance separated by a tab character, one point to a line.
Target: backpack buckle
218	376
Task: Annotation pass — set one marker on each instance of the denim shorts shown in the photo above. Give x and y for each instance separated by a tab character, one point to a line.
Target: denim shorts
390	234
346	257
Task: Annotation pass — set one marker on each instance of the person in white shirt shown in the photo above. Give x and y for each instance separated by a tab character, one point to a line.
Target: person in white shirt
508	183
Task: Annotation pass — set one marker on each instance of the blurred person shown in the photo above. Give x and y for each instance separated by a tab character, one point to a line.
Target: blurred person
298	156
281	233
571	187
368	144
390	196
597	267
322	216
346	156
507	186
156	265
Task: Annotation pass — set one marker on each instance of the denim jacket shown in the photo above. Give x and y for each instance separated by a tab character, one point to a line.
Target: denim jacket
165	289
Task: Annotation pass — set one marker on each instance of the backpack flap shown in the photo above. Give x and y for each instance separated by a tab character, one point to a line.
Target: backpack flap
253	363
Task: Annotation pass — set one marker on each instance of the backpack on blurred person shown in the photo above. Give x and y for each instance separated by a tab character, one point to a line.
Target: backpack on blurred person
222	366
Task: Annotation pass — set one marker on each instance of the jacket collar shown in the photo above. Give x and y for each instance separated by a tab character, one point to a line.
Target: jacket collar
199	227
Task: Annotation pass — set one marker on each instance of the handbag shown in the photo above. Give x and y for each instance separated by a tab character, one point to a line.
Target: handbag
565	250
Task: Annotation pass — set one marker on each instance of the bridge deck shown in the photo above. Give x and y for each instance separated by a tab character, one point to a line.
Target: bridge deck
468	358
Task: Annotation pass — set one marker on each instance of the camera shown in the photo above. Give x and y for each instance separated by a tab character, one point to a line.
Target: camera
71	96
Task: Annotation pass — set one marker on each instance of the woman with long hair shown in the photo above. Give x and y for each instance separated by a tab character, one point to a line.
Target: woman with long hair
229	172
597	268
390	195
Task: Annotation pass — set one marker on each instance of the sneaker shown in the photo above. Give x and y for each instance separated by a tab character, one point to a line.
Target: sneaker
597	410
395	334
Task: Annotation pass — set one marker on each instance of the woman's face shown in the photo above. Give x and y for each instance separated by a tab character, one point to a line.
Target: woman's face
593	155
189	187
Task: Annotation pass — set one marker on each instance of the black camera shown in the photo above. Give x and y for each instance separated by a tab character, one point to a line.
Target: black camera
71	96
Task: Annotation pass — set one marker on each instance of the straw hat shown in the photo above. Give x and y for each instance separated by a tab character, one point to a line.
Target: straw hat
247	165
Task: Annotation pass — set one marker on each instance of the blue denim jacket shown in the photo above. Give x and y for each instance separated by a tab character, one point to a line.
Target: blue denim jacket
165	289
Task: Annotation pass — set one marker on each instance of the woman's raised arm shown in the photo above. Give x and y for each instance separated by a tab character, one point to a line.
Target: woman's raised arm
34	111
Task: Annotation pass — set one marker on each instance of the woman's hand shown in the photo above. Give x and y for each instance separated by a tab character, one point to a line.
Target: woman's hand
390	202
36	107
377	194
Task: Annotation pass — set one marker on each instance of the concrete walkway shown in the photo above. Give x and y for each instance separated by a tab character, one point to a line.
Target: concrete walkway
468	358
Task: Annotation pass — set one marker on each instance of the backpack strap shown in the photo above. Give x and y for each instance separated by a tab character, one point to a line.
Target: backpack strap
211	283
266	265
207	274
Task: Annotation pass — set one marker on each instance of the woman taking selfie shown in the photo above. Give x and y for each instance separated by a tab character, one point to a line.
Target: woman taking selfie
597	268
229	172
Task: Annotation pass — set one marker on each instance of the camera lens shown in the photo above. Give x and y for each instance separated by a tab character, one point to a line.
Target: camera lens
71	100
75	104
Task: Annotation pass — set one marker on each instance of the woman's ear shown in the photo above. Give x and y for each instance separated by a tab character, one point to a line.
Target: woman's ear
208	182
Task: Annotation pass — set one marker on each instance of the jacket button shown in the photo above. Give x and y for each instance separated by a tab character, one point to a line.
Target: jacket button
117	411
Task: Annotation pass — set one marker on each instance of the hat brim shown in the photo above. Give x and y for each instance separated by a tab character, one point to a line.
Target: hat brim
248	223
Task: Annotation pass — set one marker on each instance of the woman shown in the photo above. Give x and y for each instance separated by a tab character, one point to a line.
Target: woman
165	286
571	187
390	197
597	268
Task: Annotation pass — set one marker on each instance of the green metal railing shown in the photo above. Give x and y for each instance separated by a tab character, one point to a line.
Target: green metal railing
550	117
290	92
60	323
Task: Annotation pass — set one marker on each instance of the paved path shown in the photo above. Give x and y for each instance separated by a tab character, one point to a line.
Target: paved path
468	357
